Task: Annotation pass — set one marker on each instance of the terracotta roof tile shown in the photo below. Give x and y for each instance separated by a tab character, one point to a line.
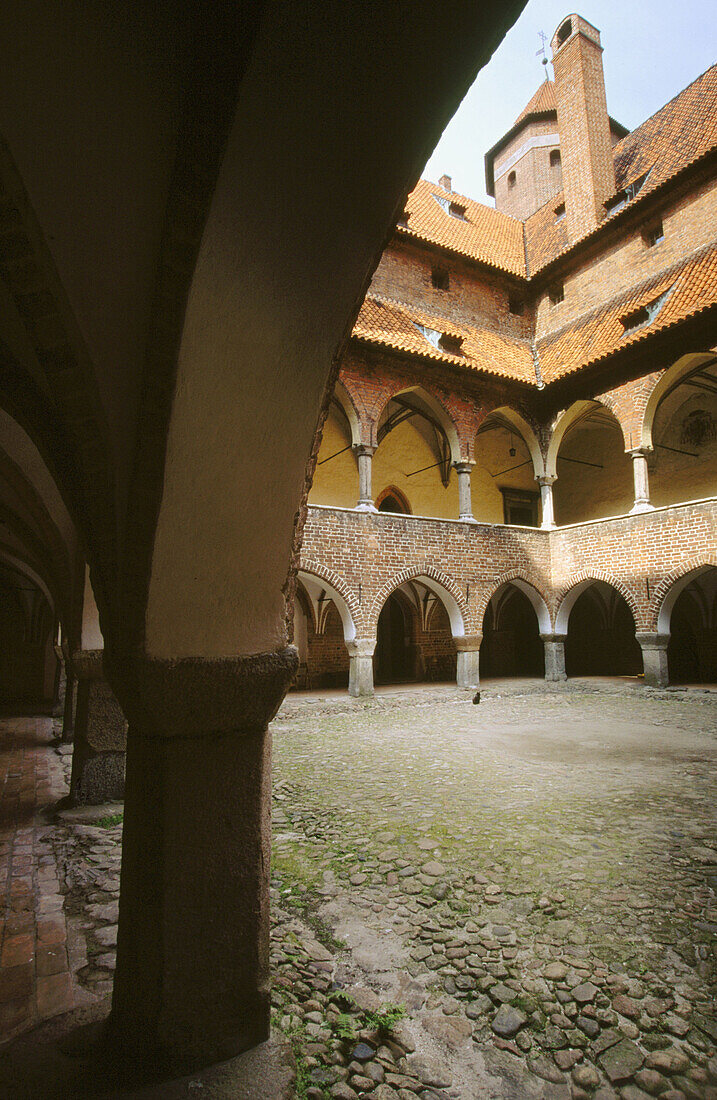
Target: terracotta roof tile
392	324
692	287
543	100
679	134
486	234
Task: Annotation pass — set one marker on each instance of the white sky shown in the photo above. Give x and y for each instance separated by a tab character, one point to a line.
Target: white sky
651	52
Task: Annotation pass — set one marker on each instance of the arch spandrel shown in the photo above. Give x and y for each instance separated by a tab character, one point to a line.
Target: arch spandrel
567	597
527	587
442	585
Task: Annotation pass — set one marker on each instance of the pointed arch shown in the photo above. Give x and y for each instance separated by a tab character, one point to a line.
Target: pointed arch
568	596
685	366
443	586
346	606
528	588
434	409
514	420
670	588
345	400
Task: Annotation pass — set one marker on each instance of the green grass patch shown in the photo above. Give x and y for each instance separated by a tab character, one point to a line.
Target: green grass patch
110	821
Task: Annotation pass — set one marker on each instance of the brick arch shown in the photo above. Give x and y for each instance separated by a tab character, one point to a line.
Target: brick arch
338	586
578	581
573	415
665	596
662	385
307	603
435	403
460	624
536	595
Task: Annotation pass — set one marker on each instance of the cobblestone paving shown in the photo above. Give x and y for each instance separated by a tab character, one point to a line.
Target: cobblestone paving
533	879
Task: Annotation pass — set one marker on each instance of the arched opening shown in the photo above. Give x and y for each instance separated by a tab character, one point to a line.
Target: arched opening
393	500
692	649
416	447
600	633
28	664
511	643
683	463
503	483
335	480
595	476
414	635
322	626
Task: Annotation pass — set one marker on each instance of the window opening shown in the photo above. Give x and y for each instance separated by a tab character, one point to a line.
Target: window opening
403	219
453	209
516	305
442	341
556	294
565	31
520	507
645	315
393	500
628	193
555	159
560	211
653	234
440	278
512	179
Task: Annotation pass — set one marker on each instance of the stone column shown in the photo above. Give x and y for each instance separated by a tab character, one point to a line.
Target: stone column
554	656
100	738
546	501
68	712
192	979
364	456
361	666
654	658
59	706
642	482
465	507
468	660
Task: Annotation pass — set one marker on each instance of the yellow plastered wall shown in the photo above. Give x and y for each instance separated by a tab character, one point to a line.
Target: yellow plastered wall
403	451
586	492
492	472
688	476
335	482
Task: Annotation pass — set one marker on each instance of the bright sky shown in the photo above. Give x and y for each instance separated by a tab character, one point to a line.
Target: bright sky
651	52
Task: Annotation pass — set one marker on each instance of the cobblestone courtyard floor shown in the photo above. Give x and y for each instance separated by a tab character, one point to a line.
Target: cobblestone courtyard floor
534	879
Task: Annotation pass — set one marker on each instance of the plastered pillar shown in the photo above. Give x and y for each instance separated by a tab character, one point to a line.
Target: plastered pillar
546	501
465	505
642	482
554	656
192	979
361	652
654	658
364	457
100	734
468	661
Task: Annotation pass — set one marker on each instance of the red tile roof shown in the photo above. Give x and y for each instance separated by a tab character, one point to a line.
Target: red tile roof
543	100
392	324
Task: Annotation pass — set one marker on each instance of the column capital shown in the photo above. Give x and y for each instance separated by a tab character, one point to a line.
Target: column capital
559	638
640	452
87	664
466	643
648	639
361	647
547	479
200	697
364	449
464	465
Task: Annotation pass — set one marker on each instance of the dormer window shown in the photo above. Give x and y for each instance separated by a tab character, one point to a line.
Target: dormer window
626	195
453	209
645	315
441	341
560	211
556	294
653	234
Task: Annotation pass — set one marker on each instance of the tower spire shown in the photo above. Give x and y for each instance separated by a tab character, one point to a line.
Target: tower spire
542	53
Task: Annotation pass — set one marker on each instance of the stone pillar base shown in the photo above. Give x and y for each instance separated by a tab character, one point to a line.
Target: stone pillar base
100	737
361	666
554	657
192	979
654	658
468	661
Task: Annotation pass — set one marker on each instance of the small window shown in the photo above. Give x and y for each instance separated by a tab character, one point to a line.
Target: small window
653	234
393	500
554	158
457	211
565	31
450	343
644	315
440	278
520	507
560	212
556	294
516	305
512	179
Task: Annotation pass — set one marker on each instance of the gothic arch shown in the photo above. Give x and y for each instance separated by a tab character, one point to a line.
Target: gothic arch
346	606
525	431
528	587
567	596
668	590
346	401
436	408
667	381
568	419
444	587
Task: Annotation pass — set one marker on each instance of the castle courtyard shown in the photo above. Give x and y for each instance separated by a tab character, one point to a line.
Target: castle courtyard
532	878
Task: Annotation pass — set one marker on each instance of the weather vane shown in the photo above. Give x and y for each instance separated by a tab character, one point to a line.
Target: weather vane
541	52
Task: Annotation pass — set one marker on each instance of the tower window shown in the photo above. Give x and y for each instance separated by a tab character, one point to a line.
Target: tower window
511	180
440	278
653	234
565	31
554	158
556	294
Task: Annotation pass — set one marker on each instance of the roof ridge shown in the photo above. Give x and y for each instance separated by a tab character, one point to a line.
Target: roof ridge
664	107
